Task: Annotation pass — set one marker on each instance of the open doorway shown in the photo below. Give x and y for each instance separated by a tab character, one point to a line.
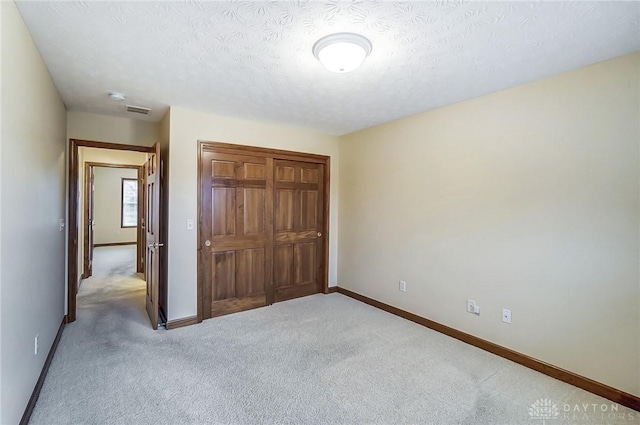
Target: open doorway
113	207
130	221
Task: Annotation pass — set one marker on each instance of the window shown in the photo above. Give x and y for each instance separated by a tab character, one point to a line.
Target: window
129	209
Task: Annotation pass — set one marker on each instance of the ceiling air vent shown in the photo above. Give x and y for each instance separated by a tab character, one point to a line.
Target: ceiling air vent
138	109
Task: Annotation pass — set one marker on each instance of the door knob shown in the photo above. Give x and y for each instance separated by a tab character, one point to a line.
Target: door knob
207	243
319	234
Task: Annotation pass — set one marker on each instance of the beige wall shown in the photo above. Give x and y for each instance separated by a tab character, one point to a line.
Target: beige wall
107	206
104	128
111	156
105	156
525	199
32	202
186	127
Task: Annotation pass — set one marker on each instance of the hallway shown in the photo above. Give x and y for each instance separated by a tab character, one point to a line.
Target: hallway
114	290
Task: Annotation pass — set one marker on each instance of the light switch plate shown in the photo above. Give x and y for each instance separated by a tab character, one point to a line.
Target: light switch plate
506	315
189	224
402	286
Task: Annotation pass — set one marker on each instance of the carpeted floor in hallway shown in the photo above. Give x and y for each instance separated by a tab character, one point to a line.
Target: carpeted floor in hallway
323	359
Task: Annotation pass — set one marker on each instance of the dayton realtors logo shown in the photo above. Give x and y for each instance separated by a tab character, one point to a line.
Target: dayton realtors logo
544	410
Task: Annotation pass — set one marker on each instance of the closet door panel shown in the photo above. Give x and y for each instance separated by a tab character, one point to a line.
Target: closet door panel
297	234
235	238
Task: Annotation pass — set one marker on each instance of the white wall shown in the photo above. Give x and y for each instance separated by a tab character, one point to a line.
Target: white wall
32	203
186	127
107	206
105	128
526	199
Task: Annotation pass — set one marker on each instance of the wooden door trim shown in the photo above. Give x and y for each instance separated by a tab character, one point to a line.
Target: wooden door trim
109	165
73	208
325	254
140	235
85	235
270	242
109	145
228	148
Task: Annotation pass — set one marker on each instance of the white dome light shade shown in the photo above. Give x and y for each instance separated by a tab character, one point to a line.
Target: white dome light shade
342	57
342	52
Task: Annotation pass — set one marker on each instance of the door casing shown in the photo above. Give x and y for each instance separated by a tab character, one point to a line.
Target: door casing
88	222
87	248
233	149
73	232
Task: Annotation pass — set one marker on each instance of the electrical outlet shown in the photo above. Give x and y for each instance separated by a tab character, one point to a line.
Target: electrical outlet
35	345
402	286
506	315
61	224
471	306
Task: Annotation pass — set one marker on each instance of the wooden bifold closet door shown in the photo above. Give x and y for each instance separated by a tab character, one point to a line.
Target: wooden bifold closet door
261	225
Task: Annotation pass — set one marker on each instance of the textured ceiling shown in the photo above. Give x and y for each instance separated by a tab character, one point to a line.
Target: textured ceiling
253	59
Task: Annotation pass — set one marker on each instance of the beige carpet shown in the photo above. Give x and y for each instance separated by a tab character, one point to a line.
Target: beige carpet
323	359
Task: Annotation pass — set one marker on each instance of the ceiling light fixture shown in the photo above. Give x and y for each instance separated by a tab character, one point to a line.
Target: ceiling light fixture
342	52
117	96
